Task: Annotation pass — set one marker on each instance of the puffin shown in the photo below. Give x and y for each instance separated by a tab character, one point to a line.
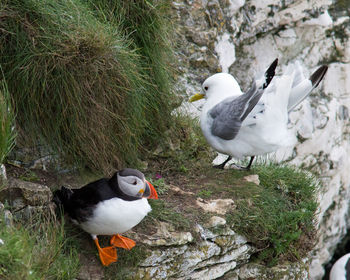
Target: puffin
341	269
253	123
109	207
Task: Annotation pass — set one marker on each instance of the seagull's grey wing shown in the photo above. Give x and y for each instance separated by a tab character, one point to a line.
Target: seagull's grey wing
229	114
226	118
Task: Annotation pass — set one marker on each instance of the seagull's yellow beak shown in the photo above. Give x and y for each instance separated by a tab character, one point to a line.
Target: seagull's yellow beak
196	97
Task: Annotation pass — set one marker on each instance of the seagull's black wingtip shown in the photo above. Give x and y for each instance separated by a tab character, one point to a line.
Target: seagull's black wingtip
270	73
274	64
318	75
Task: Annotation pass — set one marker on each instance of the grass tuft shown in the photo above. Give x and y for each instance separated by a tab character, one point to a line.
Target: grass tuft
185	149
37	251
278	215
90	81
162	211
160	185
7	120
205	193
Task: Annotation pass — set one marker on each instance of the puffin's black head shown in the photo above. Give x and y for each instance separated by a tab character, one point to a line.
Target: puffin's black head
131	172
132	183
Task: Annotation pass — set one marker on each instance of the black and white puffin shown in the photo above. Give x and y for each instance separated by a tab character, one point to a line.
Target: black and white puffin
109	207
341	269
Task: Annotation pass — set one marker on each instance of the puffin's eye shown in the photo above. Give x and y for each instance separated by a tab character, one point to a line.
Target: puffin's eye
206	88
135	182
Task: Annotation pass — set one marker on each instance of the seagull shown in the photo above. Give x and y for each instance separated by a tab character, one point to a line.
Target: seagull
253	123
341	269
109	207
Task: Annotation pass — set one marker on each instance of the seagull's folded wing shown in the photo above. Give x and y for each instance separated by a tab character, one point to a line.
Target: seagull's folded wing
229	114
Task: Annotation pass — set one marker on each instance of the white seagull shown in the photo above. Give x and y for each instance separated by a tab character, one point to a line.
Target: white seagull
341	269
254	123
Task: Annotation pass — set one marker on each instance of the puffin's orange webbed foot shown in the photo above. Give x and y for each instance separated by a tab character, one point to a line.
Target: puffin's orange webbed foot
122	242
107	255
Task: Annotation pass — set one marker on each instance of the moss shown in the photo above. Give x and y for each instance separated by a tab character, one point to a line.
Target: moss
339	8
339	32
185	148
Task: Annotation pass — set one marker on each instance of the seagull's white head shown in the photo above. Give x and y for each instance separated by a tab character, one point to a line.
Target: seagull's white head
220	85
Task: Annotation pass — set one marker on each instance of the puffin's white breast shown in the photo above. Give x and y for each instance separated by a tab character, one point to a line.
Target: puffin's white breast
116	215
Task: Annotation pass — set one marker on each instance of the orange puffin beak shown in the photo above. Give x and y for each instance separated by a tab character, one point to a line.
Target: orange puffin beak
153	194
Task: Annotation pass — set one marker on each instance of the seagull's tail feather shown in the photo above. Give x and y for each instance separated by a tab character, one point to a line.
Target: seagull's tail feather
255	92
270	73
303	89
318	75
61	197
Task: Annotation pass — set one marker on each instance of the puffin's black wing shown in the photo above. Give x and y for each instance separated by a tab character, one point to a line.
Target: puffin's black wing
92	193
80	203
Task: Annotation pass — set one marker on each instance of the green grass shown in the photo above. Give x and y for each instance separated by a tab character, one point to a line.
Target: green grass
146	24
162	211
37	251
185	147
161	187
7	119
90	81
205	193
29	175
278	215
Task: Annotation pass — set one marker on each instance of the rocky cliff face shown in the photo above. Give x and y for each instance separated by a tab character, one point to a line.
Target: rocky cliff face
243	37
220	252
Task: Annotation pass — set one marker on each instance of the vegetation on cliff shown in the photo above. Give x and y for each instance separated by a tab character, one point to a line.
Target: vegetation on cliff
90	79
7	121
276	216
41	249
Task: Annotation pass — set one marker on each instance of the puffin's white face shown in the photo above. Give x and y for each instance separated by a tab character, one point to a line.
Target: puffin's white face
218	84
133	183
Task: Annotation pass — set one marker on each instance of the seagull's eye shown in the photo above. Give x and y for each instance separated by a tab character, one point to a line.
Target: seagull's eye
206	88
